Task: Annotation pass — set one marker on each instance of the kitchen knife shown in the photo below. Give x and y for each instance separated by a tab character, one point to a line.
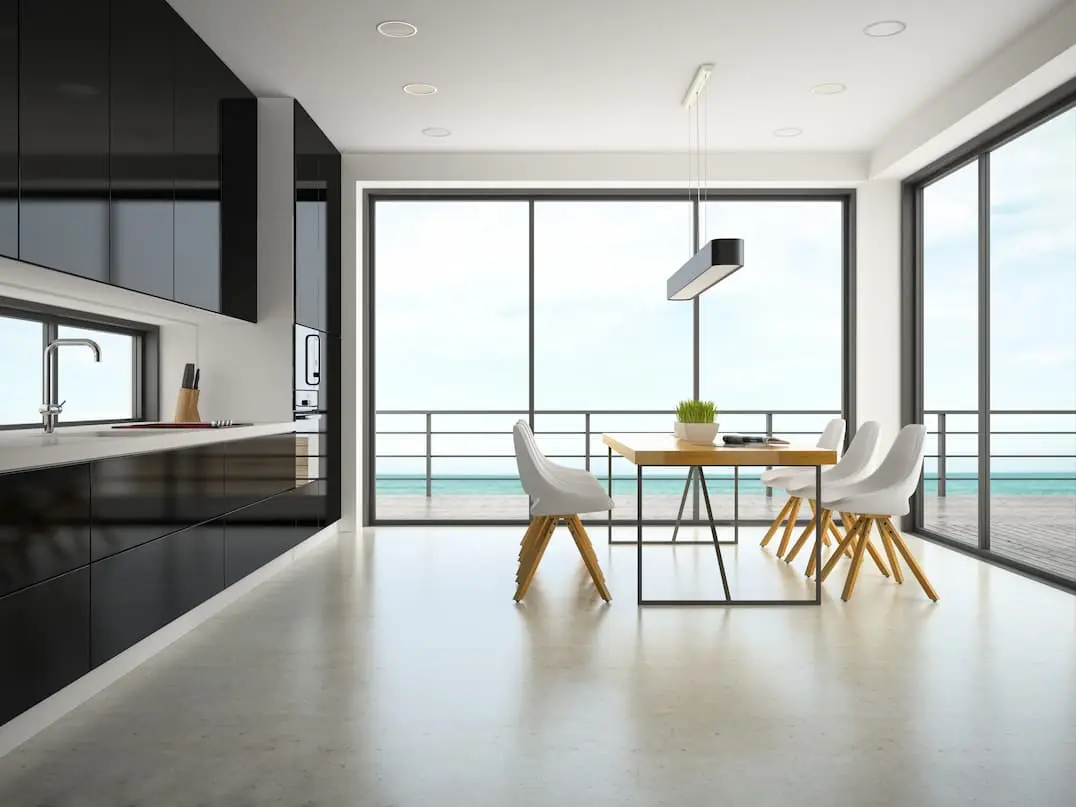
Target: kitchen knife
188	376
197	377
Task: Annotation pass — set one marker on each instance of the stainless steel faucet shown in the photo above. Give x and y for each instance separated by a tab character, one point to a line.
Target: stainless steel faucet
50	410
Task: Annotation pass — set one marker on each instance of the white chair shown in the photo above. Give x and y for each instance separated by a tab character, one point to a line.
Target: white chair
875	501
557	494
853	467
832	439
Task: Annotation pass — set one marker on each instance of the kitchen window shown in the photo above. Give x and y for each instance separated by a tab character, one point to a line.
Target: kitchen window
111	391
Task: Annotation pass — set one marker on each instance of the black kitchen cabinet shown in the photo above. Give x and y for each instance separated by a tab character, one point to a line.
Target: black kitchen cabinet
317	225
142	497
197	171
141	152
44	524
139	591
257	534
44	640
258	468
64	135
9	128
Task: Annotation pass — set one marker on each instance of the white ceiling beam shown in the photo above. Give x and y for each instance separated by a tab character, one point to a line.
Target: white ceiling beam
1039	60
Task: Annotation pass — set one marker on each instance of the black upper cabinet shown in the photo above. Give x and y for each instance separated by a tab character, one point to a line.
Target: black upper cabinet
317	233
142	187
9	128
64	135
197	171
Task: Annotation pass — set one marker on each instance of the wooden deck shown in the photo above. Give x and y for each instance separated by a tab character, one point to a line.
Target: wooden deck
1036	530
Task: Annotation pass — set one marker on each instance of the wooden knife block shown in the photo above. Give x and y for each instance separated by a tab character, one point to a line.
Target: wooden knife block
187	407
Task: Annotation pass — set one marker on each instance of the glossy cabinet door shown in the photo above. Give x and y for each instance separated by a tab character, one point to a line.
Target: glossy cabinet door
197	252
44	640
137	592
64	140
142	192
239	201
257	534
310	223
44	524
140	498
9	128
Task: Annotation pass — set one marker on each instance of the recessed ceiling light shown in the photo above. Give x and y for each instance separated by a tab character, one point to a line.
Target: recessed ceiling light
396	29
788	131
419	89
884	28
829	88
436	131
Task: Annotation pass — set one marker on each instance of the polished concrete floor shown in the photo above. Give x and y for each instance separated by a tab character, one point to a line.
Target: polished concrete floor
394	669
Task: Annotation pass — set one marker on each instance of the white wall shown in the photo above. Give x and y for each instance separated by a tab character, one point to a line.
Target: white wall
246	368
878	305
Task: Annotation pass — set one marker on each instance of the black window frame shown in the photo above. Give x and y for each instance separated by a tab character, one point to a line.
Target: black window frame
145	356
846	196
977	151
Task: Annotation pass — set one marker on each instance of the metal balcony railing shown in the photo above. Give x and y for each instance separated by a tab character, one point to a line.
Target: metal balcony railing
944	432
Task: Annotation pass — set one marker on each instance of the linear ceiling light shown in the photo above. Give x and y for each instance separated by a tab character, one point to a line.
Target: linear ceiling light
720	257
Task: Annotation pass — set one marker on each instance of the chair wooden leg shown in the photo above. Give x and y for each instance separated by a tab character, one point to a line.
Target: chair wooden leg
590	559
838	553
864	534
891	551
807	531
827	522
535	531
789	526
527	571
528	537
848	521
772	531
910	560
876	556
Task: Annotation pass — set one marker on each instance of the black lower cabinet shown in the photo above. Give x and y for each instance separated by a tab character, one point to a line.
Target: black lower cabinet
257	534
139	498
44	640
44	524
142	590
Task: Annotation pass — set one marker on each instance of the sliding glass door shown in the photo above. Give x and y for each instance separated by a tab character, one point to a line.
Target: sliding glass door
997	333
552	308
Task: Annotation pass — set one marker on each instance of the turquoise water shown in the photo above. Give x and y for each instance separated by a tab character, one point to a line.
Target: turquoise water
1037	484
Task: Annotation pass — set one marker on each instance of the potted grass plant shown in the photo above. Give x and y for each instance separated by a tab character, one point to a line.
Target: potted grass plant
695	421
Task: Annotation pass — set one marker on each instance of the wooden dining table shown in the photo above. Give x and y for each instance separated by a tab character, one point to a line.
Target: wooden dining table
666	450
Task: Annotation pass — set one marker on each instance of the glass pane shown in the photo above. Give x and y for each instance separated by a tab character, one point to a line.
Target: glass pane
20	357
951	354
451	302
793	253
96	391
1033	369
601	318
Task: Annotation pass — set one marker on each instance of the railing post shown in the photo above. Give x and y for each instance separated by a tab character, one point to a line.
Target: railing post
429	454
586	426
769	434
941	454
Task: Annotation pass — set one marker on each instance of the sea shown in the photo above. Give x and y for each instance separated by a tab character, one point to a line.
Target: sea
1012	484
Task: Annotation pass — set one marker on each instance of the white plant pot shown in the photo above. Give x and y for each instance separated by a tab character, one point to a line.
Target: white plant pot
696	432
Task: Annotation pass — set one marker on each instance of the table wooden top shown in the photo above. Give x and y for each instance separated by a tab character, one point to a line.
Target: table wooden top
667	449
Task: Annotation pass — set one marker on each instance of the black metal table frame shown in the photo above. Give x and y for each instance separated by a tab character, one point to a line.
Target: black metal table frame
680	514
728	601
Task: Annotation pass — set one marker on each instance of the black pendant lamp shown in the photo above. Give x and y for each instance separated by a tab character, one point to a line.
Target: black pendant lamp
720	257
711	264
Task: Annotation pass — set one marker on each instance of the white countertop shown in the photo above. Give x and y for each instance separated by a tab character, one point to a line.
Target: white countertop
24	449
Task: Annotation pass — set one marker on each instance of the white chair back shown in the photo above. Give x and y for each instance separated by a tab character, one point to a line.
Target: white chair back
899	471
832	437
855	461
530	462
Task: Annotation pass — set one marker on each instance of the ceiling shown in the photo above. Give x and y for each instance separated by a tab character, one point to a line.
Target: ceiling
605	75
